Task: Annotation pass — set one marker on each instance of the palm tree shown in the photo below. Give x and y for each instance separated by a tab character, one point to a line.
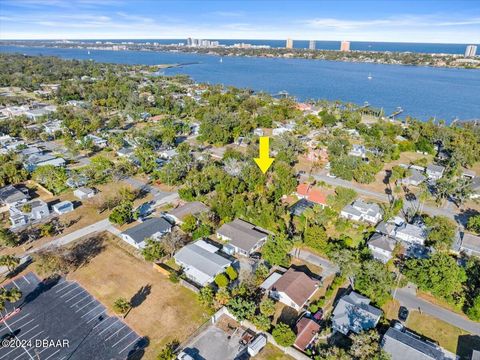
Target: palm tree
121	306
10	261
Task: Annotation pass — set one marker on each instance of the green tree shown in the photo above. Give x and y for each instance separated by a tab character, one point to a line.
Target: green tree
366	346
52	177
153	250
168	351
122	213
10	261
262	322
440	232
189	224
121	306
473	223
8	238
221	280
231	273
11	296
276	250
284	335
242	308
205	295
374	281
267	307
473	311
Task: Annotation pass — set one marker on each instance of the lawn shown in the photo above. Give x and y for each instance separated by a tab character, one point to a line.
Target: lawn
271	352
448	336
164	311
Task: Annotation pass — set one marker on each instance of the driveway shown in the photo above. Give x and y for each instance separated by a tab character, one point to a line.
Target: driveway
407	297
159	197
327	266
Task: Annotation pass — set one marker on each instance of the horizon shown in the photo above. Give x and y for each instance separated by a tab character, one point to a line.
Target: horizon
440	22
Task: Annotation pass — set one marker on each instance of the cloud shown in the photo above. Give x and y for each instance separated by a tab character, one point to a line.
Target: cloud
228	13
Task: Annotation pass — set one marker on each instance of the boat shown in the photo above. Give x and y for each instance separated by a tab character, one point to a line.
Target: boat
88	52
221	60
370	77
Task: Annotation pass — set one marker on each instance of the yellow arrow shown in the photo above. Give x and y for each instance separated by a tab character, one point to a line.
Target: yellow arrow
264	161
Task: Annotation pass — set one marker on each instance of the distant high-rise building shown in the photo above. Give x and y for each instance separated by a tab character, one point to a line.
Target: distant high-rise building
345	46
471	51
312	45
289	44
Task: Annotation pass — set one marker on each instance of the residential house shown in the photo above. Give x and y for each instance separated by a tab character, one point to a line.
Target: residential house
435	172
83	193
402	344
415	178
293	288
153	228
10	196
63	207
360	210
382	247
22	214
37	114
306	331
96	140
76	181
358	151
469	244
125	152
201	262
354	313
243	237
313	194
168	154
282	129
51	127
409	233
475	185
36	160
191	208
317	154
31	150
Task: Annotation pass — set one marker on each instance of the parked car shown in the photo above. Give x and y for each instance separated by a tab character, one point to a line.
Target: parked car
403	313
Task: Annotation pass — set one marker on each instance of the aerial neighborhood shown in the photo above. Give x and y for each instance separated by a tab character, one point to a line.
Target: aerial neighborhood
360	241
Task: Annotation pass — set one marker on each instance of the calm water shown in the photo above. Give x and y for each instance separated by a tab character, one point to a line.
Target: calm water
423	92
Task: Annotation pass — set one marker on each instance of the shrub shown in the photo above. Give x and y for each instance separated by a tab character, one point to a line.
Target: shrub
232	273
221	280
283	335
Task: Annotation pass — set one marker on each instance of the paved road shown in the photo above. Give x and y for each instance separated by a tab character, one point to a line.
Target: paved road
384	197
160	197
328	267
407	297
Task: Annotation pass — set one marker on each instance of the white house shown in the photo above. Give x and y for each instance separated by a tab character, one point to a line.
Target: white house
358	151
84	193
10	196
201	262
63	207
244	238
37	160
382	247
151	228
51	127
362	211
412	234
96	140
34	210
435	172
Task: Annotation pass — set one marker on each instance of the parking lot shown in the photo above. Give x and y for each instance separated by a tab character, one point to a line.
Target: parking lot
64	314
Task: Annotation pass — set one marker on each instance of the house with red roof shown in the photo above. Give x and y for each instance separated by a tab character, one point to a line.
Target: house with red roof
315	195
307	331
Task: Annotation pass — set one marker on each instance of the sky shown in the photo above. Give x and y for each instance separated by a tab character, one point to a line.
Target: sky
437	21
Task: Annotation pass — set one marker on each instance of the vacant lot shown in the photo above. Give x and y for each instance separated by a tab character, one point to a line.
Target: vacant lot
448	336
271	352
162	311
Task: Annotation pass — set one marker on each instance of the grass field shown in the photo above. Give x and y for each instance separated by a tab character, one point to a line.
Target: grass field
448	336
271	352
164	311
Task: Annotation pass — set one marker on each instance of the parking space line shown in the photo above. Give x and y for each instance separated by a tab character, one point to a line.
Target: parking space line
126	347
11	351
85	305
23	317
32	346
96	316
108	327
91	310
14	283
23	347
119	341
69	291
18	325
115	332
24	278
26	332
79	301
103	322
16	337
69	284
52	354
74	296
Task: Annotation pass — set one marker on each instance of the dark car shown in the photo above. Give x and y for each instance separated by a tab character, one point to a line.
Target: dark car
403	313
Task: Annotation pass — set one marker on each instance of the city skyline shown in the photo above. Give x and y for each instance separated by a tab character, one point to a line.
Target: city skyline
392	21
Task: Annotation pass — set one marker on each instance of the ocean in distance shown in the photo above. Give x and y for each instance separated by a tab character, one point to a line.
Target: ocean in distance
423	92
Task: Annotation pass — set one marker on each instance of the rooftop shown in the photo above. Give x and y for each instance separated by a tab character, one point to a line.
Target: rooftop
306	331
148	228
297	285
190	208
243	234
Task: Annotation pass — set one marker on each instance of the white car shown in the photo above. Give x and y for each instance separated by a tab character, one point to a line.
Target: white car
330	175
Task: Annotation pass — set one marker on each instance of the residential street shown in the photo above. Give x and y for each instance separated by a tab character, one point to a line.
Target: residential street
328	267
384	197
407	297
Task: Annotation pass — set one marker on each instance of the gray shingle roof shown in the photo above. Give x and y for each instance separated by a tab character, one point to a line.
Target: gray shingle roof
242	234
191	208
205	261
404	345
147	228
471	242
435	168
382	242
10	194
